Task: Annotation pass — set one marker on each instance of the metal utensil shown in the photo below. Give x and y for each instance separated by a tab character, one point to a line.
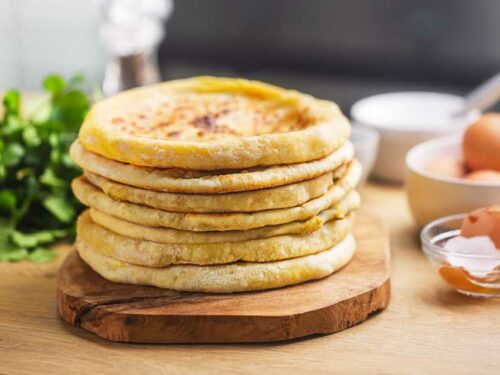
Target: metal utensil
482	97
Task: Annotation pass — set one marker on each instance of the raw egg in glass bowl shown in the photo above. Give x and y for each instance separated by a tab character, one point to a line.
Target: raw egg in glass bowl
465	249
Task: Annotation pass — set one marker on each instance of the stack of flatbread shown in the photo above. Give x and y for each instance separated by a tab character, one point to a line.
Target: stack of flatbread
215	185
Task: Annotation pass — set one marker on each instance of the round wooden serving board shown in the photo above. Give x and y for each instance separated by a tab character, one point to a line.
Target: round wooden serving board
144	314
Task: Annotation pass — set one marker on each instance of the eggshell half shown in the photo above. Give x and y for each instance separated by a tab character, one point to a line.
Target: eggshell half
483	222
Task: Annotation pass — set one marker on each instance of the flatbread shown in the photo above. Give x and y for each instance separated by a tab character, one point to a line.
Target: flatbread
237	277
247	201
91	196
184	181
212	123
167	235
155	254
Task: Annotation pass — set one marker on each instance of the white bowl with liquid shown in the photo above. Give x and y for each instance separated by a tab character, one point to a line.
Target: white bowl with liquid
405	119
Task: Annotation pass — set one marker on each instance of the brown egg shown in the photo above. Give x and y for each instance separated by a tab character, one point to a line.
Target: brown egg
483	222
481	143
484	175
447	166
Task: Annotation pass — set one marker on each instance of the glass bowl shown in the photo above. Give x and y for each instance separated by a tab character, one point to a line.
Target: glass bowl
471	274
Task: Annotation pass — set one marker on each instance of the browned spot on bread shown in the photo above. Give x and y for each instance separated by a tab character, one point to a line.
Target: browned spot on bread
117	120
174	134
206	122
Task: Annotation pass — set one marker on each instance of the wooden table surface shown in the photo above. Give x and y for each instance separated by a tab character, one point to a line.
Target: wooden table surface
427	327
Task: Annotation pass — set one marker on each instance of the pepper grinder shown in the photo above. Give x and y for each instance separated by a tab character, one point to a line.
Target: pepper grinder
131	32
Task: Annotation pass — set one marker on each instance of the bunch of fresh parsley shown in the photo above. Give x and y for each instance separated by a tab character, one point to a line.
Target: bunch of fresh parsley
37	206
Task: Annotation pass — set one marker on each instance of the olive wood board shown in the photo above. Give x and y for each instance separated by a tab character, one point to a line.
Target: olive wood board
144	314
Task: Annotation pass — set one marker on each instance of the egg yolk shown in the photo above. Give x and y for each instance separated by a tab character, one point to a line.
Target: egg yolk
459	278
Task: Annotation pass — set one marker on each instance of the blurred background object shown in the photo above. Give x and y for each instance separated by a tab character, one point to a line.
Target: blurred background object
131	32
366	145
336	49
405	119
41	37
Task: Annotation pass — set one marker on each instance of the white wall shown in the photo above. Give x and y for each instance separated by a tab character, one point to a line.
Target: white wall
42	36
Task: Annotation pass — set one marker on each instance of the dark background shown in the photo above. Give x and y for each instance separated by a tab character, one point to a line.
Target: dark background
337	49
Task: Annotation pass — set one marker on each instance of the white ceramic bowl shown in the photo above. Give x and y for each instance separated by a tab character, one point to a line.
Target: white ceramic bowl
432	196
365	141
405	119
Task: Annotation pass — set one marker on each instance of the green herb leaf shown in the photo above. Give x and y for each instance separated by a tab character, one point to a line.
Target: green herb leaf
12	102
12	125
49	178
31	137
54	84
60	208
12	154
35	239
36	203
8	200
13	254
42	255
23	239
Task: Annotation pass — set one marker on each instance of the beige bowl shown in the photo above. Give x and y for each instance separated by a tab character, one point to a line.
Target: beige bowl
432	196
